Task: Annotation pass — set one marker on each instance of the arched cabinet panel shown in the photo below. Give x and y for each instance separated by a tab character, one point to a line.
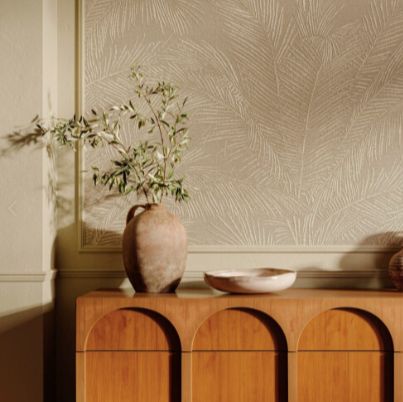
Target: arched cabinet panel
133	329
239	355
345	355
132	355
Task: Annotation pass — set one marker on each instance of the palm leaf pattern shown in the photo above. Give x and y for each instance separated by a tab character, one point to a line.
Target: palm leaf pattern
297	115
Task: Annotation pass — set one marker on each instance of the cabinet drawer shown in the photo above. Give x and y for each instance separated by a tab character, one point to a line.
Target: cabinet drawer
343	376
132	376
236	377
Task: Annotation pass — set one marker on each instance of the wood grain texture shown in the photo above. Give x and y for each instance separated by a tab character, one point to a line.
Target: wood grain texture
398	377
132	377
234	358
344	377
292	310
186	378
237	330
292	366
343	329
235	377
129	329
358	367
80	377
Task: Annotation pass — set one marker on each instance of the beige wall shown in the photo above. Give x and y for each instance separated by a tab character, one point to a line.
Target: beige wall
38	75
28	86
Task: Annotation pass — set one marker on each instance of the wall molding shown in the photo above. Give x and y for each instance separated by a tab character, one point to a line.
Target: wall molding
229	249
198	275
27	277
292	249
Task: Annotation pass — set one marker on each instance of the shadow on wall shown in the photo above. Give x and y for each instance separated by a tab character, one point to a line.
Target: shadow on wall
59	181
68	288
380	260
27	344
26	355
361	260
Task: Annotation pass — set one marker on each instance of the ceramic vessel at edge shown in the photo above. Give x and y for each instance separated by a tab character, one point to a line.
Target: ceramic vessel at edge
396	270
154	249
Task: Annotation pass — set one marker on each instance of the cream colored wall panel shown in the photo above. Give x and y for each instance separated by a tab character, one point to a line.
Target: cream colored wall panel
28	86
21	100
28	30
296	113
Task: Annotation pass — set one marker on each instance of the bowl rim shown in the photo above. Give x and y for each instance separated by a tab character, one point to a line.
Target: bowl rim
267	273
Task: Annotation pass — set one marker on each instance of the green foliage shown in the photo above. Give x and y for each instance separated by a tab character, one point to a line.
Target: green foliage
146	167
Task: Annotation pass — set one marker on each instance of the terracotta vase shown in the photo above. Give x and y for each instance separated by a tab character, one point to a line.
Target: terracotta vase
396	270
154	249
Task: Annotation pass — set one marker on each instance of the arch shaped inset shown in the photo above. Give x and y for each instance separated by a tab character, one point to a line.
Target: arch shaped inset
246	350
133	329
239	329
346	329
350	351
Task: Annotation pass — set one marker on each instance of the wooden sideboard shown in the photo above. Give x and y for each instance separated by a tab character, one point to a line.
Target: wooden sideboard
301	345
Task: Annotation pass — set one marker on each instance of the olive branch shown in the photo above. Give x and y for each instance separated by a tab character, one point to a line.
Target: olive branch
146	167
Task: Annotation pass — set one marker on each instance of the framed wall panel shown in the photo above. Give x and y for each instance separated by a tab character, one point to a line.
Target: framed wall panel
296	110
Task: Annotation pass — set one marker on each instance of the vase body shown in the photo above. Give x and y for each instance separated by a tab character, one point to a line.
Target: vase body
154	249
396	270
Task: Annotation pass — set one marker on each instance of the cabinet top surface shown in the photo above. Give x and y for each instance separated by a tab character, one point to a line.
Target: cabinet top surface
184	293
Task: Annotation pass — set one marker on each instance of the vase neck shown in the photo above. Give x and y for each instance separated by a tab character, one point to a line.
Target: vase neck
146	207
155	206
